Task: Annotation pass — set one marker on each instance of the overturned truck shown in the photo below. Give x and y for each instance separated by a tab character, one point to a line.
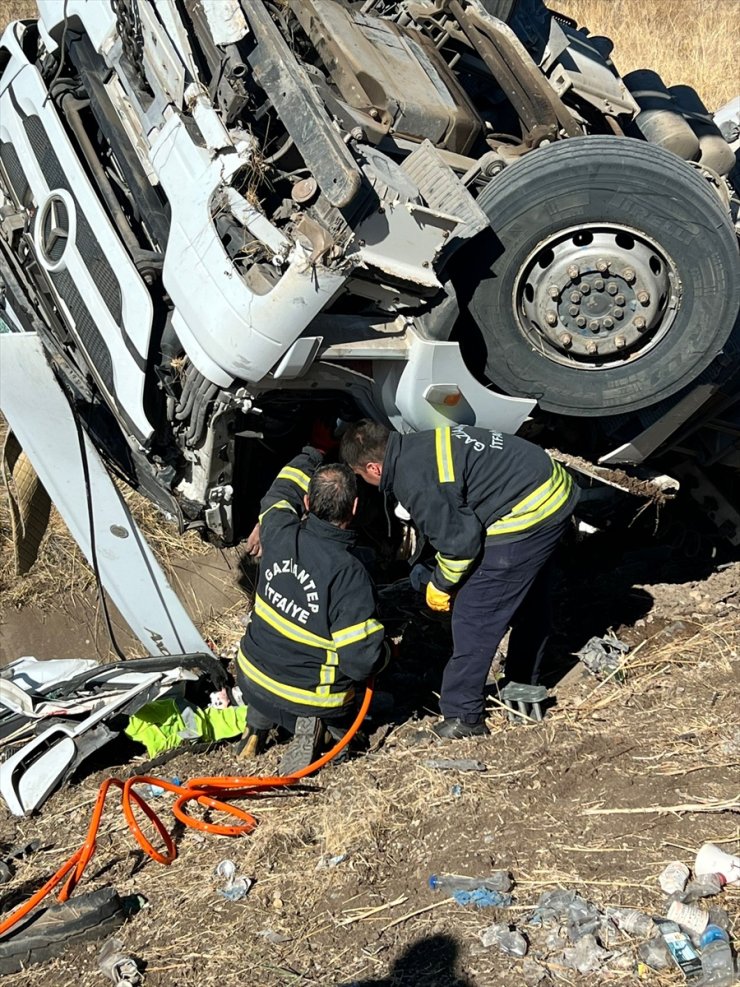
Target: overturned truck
223	219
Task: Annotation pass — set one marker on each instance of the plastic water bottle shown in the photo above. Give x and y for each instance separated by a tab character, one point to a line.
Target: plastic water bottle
499	880
716	958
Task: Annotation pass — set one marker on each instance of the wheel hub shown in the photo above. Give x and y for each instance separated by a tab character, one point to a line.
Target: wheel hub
596	296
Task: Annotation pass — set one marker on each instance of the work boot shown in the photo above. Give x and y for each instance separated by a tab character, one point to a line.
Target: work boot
303	748
453	728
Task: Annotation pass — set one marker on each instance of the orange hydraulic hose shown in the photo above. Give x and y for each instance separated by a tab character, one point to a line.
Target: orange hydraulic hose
200	790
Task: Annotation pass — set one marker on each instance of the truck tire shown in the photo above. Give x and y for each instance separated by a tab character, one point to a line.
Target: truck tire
615	277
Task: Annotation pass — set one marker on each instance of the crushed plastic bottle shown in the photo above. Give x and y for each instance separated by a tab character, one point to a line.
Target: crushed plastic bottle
587	956
717	967
552	906
704	886
583	918
120	969
655	954
497	880
508	940
674	877
633	921
234	888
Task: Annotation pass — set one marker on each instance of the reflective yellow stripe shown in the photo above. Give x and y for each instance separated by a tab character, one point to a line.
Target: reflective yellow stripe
537	506
445	464
294	632
355	633
305	697
281	505
453	569
298	477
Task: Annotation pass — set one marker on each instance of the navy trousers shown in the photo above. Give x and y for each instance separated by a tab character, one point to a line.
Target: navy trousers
510	587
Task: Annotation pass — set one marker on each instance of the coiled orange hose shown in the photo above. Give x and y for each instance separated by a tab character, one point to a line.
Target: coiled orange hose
200	790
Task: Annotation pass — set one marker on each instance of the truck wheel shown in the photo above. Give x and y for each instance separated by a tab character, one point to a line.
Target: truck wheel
615	276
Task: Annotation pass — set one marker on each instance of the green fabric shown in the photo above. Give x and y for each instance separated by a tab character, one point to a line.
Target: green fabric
160	726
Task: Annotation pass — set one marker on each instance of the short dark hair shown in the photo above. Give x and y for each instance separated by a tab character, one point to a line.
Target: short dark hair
364	442
332	492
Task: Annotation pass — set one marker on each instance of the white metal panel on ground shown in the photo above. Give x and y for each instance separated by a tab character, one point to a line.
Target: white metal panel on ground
39	414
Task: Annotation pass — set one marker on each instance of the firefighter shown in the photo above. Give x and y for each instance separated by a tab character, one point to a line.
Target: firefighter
494	507
313	637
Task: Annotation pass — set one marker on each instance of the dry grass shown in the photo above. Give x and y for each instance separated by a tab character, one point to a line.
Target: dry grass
397	821
61	569
685	41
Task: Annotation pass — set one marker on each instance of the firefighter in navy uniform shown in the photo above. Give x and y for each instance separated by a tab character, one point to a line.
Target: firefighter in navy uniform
313	638
494	507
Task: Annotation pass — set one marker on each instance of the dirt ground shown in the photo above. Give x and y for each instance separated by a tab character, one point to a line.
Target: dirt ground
622	777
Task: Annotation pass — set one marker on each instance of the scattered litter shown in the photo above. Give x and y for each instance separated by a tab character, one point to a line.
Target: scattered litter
459	764
633	921
274	937
674	877
712	860
508	940
552	907
719	916
456	791
234	888
331	861
705	886
603	655
689	917
122	970
523	702
682	952
717	964
587	956
482	898
532	973
583	919
497	880
655	953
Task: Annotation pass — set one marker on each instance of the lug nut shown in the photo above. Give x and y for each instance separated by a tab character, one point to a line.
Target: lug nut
551	319
553	291
643	297
608	323
640	323
618	313
620	342
602	265
581	321
573	271
575	297
594	325
585	288
573	310
592	348
612	288
620	300
566	339
629	275
599	284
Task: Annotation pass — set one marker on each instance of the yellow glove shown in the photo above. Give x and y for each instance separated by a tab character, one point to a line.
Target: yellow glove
437	600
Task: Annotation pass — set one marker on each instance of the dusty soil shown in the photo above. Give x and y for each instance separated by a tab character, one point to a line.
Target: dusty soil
621	778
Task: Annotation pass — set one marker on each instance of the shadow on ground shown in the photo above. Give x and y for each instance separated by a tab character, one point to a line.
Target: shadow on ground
429	962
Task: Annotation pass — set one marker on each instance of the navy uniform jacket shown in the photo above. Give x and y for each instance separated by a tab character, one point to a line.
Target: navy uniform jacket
313	632
466	487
